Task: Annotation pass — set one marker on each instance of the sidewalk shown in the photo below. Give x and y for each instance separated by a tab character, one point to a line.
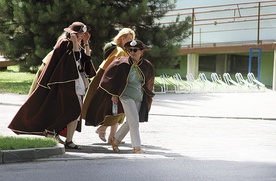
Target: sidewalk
222	126
255	105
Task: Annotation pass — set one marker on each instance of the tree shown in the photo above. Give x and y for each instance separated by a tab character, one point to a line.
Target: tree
29	28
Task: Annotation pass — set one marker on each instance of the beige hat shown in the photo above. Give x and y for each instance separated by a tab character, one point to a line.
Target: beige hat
77	27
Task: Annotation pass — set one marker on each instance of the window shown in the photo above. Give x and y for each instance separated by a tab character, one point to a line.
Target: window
239	63
207	63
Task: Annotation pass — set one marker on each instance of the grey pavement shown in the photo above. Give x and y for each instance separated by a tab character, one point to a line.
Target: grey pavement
207	126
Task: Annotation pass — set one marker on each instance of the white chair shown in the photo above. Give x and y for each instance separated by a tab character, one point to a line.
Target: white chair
251	79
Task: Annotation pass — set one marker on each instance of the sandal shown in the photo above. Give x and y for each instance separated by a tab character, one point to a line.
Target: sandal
53	135
115	146
70	145
101	135
49	134
138	150
59	139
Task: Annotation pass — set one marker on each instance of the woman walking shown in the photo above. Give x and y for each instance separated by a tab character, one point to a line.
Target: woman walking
55	104
128	83
112	50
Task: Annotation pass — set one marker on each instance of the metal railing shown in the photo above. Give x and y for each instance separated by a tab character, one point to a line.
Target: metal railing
240	22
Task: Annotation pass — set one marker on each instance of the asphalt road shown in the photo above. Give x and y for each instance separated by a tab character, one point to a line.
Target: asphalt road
139	169
219	136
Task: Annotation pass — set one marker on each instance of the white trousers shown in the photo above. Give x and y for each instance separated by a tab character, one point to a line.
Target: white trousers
131	109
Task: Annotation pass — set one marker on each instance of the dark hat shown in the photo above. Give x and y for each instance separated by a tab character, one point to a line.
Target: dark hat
77	27
135	43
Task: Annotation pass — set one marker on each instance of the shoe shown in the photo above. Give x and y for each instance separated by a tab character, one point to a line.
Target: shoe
49	134
53	135
70	145
59	139
138	150
115	147
101	135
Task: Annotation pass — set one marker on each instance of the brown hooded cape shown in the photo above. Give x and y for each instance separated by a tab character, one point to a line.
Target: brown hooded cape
114	82
54	102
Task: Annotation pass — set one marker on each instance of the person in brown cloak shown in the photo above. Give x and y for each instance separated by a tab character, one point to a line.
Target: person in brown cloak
128	83
55	104
112	51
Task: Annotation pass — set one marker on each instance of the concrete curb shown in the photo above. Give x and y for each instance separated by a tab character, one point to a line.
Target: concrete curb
10	104
24	155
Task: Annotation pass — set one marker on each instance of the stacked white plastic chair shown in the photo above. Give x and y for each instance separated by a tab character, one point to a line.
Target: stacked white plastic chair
196	86
169	84
182	85
208	85
233	85
252	80
158	86
221	86
243	82
175	83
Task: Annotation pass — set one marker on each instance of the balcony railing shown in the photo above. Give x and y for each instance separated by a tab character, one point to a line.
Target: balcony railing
242	23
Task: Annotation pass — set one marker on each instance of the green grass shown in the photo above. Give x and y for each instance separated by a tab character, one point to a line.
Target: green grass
12	81
14	142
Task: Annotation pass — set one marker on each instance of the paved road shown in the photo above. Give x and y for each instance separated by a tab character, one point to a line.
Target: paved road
194	136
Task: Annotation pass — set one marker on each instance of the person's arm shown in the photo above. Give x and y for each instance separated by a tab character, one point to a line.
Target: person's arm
74	39
86	38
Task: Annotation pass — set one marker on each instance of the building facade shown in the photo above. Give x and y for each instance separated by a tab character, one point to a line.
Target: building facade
232	38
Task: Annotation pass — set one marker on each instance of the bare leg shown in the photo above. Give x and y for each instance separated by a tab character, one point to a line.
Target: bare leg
71	127
113	130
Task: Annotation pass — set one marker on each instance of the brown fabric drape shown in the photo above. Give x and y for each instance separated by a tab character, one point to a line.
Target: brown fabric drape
54	103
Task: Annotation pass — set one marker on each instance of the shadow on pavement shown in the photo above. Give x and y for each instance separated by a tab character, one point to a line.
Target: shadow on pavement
125	149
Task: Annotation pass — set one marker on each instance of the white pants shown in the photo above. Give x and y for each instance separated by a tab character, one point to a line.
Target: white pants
131	109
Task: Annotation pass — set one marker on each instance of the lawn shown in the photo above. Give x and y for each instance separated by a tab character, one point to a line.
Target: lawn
12	81
14	142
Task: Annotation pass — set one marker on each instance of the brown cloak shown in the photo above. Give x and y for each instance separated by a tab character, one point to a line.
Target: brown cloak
54	102
114	82
94	85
